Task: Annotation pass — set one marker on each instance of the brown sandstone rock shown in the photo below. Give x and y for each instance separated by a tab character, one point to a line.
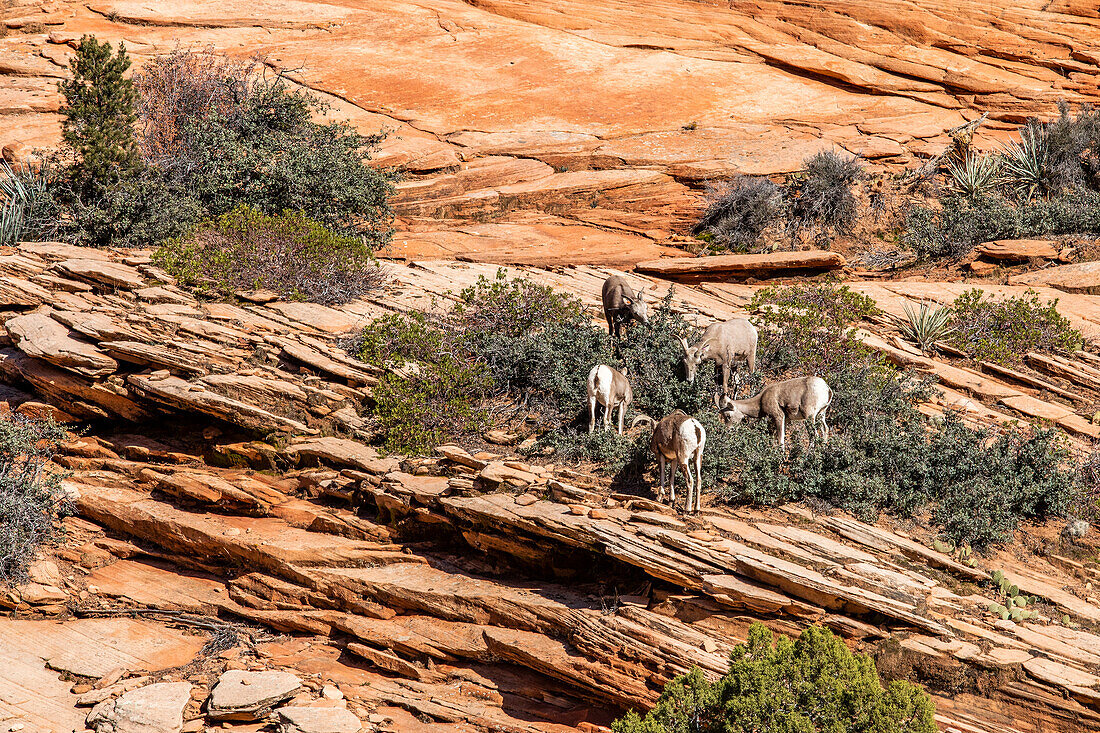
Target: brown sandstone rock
722	268
1018	250
1082	277
242	695
39	335
104	272
155	708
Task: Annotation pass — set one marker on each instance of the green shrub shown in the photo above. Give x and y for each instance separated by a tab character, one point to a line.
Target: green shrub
814	684
431	391
808	327
215	135
271	155
30	493
739	211
986	482
290	254
1004	330
538	345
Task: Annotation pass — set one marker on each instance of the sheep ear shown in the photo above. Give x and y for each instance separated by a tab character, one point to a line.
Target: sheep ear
718	400
628	301
704	349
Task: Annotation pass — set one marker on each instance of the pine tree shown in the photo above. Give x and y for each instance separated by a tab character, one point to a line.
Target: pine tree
99	116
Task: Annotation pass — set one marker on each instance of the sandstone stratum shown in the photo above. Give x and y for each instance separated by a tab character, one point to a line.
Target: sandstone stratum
551	132
240	558
456	592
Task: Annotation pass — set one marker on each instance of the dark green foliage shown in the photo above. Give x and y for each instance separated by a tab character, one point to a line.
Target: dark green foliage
822	198
30	493
290	254
99	117
431	391
812	685
1004	330
738	212
807	327
272	156
986	481
883	454
538	345
215	135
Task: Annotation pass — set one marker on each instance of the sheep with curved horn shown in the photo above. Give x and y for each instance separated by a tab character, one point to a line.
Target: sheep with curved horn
622	305
725	344
798	399
679	438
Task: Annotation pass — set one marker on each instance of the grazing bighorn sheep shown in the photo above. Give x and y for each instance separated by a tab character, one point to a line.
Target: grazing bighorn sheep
611	389
802	398
679	438
723	343
622	304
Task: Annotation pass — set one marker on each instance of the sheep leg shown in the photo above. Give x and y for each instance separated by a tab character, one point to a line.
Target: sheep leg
622	411
698	478
672	485
824	425
689	495
607	416
661	471
591	413
610	323
780	421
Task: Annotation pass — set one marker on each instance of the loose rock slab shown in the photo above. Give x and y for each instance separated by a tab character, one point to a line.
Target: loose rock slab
1082	277
113	274
40	336
156	708
1018	250
243	695
317	720
727	267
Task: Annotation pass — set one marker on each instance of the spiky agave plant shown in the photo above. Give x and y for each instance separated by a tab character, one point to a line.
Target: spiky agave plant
925	326
17	190
1025	161
976	175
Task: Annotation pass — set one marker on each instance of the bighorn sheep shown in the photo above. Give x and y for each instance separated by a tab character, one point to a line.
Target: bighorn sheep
723	343
802	398
611	389
679	438
622	304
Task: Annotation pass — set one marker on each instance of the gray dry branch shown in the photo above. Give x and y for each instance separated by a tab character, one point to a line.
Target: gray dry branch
30	492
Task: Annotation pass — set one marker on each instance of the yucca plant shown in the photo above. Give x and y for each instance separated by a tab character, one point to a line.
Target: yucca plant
1026	162
925	326
17	190
976	175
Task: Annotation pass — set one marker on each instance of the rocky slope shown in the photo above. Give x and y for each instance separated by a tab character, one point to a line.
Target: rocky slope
458	592
584	131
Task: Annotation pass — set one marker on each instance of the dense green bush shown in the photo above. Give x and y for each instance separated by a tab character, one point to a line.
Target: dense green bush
814	684
290	254
1003	330
883	453
432	391
215	135
531	346
30	493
